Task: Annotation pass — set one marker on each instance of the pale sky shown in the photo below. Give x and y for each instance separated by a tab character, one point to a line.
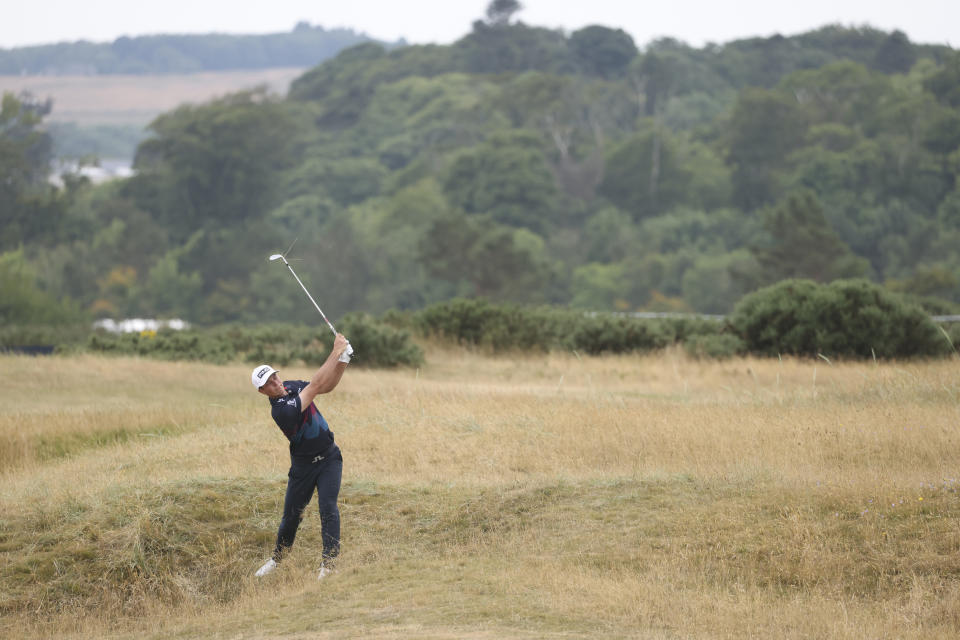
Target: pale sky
443	21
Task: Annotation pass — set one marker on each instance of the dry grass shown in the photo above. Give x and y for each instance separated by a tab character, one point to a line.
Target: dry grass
531	496
138	99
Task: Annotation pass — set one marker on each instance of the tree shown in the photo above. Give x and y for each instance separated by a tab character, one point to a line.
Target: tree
345	181
841	92
171	292
485	259
500	48
391	231
573	113
896	54
213	164
642	175
608	236
507	178
29	208
500	11
654	82
803	245
23	302
765	127
599	287
945	83
343	86
762	62
712	285
603	51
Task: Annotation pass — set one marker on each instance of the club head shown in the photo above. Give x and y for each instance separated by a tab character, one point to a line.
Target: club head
277	256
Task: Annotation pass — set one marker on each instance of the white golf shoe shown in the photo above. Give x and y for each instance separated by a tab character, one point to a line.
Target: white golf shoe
268	567
324	572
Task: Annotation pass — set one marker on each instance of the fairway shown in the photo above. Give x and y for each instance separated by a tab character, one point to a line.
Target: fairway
525	496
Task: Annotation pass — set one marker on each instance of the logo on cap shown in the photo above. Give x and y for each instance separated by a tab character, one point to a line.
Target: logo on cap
262	371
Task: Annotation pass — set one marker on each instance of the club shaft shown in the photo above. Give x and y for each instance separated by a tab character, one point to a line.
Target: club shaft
311	298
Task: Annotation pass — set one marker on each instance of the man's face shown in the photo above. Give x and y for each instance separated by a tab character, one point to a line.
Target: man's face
273	387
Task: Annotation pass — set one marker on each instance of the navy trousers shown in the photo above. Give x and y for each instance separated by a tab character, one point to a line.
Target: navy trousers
304	478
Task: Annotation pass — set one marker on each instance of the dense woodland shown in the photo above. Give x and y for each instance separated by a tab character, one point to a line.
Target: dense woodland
519	164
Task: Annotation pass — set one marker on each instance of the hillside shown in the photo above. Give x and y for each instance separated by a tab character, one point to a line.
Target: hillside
304	46
526	165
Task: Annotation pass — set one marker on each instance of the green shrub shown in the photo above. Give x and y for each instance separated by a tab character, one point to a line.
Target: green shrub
377	345
503	327
847	318
165	345
62	337
397	319
499	327
609	333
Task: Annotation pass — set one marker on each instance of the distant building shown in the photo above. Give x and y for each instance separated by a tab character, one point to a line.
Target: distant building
137	325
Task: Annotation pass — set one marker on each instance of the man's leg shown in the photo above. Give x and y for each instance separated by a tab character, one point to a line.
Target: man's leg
328	489
300	487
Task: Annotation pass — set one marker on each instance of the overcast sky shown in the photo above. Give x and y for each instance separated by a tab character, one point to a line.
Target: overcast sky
443	21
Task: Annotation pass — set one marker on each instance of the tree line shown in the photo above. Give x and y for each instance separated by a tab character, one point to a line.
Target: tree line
522	165
304	46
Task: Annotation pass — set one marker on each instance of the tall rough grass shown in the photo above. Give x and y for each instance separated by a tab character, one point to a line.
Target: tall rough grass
545	496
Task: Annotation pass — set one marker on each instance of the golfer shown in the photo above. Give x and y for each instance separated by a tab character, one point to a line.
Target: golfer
315	460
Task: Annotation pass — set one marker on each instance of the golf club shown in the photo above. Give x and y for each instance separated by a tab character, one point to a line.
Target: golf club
279	256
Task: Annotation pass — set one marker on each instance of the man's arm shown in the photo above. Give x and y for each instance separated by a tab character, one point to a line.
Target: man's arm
327	376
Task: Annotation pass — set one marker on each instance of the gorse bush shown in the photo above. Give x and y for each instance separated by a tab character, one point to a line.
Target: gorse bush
505	327
619	334
375	344
498	327
847	318
63	337
165	344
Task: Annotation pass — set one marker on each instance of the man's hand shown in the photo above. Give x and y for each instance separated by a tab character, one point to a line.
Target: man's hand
328	375
342	348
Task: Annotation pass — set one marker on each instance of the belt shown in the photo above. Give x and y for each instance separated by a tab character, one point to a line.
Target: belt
307	460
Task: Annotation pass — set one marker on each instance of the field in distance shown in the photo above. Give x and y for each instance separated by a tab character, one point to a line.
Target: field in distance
138	99
539	496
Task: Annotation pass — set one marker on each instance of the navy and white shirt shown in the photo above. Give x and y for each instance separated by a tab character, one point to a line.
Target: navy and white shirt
306	430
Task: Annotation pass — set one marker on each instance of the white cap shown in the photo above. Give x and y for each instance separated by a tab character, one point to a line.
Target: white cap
261	374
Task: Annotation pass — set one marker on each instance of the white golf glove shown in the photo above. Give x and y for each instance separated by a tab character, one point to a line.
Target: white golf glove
345	356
